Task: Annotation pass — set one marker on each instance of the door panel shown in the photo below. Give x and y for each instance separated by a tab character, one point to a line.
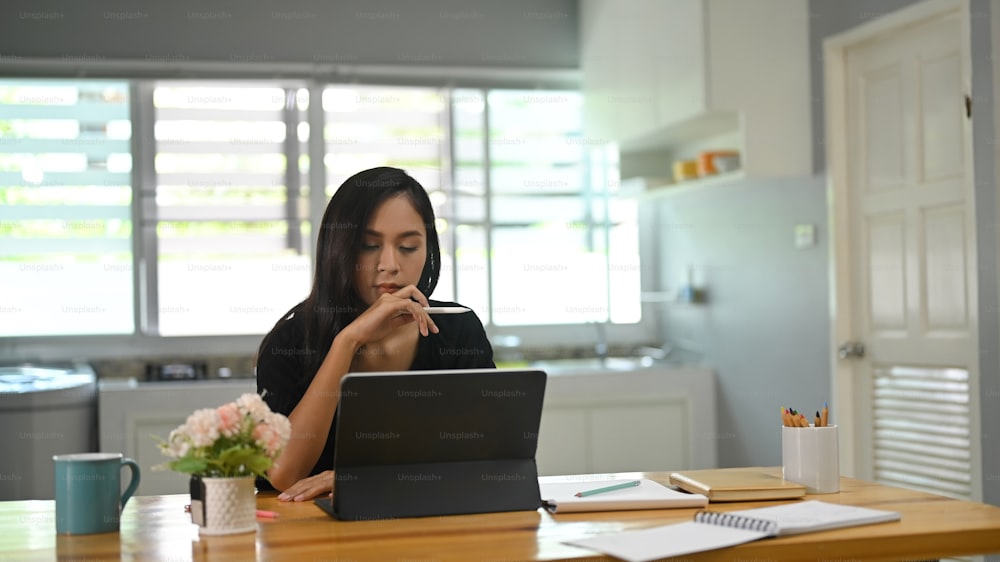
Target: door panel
941	132
945	297
887	276
911	240
883	159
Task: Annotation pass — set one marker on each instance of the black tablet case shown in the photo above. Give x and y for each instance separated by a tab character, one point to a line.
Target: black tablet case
426	443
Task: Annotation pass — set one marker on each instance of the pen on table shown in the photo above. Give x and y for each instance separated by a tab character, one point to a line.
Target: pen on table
267	514
623	485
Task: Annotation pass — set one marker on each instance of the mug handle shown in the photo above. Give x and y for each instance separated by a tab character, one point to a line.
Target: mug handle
133	482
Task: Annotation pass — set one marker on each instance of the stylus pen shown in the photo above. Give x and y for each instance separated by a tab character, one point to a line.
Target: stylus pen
586	493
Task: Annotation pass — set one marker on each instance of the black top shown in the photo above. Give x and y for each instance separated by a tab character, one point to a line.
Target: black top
283	374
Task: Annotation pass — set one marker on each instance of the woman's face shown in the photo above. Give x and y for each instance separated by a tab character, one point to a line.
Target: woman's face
393	250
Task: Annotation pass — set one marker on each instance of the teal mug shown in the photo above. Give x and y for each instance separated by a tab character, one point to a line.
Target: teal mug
88	491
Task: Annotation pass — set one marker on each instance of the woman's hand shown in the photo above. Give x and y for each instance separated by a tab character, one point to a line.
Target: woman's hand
389	312
308	488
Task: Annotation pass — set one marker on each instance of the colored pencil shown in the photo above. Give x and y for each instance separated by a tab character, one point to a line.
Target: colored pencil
612	488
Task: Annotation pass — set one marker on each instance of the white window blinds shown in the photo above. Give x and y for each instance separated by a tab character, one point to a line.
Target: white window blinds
229	215
922	429
65	208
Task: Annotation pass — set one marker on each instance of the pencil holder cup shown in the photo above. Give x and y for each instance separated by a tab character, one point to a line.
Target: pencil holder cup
810	456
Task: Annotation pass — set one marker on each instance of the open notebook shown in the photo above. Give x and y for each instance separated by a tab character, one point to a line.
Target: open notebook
560	497
716	529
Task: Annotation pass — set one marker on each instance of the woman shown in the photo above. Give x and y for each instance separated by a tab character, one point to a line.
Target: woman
377	261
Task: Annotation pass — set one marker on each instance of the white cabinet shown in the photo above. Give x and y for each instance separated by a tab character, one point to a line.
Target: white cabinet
621	97
592	422
131	414
640	435
643	420
680	76
563	441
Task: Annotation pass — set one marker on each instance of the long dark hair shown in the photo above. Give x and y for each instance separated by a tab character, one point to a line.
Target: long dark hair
333	302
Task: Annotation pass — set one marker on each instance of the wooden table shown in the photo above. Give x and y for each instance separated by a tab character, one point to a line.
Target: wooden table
157	528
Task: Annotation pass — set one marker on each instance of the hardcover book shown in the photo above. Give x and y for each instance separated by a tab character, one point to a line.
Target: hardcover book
736	484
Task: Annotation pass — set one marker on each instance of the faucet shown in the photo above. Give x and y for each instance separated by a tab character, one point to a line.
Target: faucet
601	345
655	353
507	347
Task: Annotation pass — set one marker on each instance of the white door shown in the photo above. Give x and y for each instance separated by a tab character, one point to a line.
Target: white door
905	262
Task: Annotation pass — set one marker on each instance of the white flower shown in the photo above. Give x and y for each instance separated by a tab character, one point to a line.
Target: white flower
280	425
203	427
178	444
253	405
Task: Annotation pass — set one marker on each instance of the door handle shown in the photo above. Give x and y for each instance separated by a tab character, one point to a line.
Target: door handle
851	349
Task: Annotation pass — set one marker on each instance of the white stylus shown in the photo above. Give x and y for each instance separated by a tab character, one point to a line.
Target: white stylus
446	309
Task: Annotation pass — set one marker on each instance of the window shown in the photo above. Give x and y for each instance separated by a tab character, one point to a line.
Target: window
546	221
531	232
65	217
229	206
544	213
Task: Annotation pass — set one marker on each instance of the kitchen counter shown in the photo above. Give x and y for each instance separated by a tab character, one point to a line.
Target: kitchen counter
132	383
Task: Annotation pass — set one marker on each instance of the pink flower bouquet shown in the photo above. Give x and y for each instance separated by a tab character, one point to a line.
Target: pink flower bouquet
241	438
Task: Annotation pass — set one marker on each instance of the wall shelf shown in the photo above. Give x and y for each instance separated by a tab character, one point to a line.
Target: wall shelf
697	297
646	189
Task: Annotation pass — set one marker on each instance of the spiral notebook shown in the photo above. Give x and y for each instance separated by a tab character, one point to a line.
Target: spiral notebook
716	529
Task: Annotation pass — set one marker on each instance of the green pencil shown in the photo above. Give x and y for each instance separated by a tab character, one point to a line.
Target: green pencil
586	493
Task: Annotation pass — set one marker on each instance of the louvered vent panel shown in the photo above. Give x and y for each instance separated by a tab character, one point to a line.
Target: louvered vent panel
921	435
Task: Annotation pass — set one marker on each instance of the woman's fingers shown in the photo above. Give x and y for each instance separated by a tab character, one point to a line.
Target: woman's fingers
391	311
413	293
413	303
423	319
309	487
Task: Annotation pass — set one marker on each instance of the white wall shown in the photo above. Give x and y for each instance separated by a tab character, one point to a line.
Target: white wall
512	33
985	44
765	325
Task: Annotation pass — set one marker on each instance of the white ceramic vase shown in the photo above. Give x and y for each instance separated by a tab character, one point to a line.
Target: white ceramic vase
228	506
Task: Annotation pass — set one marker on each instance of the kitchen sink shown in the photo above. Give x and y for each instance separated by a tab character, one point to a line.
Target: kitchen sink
593	364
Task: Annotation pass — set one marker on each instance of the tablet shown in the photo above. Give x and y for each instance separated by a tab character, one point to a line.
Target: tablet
421	443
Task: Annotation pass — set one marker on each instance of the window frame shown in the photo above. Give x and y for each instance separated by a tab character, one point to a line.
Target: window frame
146	342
